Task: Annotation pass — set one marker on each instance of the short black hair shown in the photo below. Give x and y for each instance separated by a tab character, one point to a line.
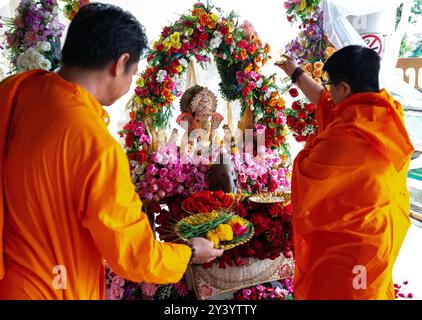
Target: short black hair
99	34
358	66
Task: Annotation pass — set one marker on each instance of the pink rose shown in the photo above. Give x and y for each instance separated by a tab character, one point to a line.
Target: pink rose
157	158
152	170
242	178
116	292
239	230
117	281
164	173
181	178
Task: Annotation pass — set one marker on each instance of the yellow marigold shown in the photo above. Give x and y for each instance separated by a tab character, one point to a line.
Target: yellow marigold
238	220
308	67
211	236
318	65
224	232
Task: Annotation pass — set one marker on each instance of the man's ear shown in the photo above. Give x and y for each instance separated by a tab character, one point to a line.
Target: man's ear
347	89
119	66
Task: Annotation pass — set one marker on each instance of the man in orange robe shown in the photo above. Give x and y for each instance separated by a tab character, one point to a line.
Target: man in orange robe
68	198
349	196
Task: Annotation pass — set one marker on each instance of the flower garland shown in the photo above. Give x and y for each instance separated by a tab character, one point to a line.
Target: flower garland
71	7
33	36
202	34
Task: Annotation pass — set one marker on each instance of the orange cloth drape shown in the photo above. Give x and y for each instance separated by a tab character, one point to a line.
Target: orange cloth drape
350	202
69	200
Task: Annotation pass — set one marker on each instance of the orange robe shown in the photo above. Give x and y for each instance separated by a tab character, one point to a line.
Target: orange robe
69	200
349	197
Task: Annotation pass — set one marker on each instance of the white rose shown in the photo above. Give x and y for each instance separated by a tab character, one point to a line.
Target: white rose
161	75
215	42
180	84
45	64
259	83
43	46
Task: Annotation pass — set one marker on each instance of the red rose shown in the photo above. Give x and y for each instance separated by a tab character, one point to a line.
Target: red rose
293	92
296	105
310	107
187	23
204	36
273	186
242	44
302	115
129	140
142	156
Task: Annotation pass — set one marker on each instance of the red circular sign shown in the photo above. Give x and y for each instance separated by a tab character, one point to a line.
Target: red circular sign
373	42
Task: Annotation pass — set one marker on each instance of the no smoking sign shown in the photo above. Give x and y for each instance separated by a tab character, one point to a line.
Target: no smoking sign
374	42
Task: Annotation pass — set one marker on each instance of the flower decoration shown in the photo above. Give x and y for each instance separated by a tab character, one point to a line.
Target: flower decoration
33	36
311	43
202	34
71	7
264	172
300	9
168	174
301	118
